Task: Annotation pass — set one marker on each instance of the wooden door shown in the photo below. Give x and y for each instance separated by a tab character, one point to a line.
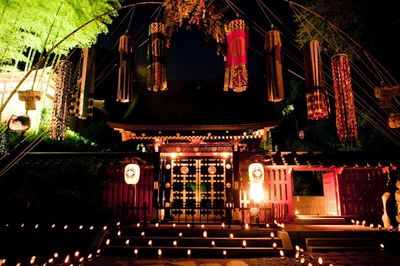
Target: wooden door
330	193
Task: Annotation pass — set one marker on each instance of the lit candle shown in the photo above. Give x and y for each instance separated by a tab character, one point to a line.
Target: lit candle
173	225
244	244
213	244
98	252
223	225
224	253
55	255
65	227
246	226
157	224
36	226
188	225
32	261
320	261
66	259
150	243
118	224
230	235
22	225
382	246
302	260
138	225
189	252
53	226
91	227
142	233
135	251
297	255
180	234
108	242
81	259
105	227
379	226
371	226
297	248
281	253
272	235
119	233
76	254
202	226
174	243
357	222
90	256
127	242
267	225
80	227
205	234
364	223
50	260
352	221
274	245
159	252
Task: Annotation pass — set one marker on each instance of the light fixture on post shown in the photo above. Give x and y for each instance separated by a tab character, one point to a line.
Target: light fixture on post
256	178
131	177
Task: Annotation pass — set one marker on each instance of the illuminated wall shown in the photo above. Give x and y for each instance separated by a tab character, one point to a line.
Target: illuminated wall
43	83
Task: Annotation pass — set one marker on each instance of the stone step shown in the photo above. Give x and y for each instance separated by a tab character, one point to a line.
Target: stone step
316	219
341	244
195	252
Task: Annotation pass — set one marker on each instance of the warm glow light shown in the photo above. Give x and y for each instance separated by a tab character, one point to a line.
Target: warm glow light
281	253
382	246
297	248
205	234
246	226
108	242
267	225
119	233
174	243
98	251
138	225
230	235
91	227
244	243
55	255
297	255
142	233
65	227
76	253
302	260
118	223
320	261
224	252
202	226
105	227
81	259
80	227
53	226
223	225
132	173
212	243
150	243
180	234
371	225
357	222
274	245
352	221
172	155
174	225
159	252
257	192
66	259
188	225
90	256
189	252
157	225
296	212
135	251
36	226
50	260
272	235
127	242
32	261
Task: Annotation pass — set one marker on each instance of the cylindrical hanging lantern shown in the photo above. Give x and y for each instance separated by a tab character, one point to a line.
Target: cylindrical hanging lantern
346	122
316	96
126	71
85	94
61	99
394	120
236	77
272	47
157	69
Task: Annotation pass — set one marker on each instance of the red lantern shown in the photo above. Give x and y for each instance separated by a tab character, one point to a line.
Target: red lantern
236	77
346	122
316	96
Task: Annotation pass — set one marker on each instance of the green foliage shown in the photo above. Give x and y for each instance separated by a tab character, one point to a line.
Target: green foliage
39	25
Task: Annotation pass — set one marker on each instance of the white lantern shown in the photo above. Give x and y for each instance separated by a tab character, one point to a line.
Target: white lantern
132	173
256	178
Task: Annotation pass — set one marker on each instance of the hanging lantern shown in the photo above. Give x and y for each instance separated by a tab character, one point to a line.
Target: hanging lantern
316	96
272	47
256	178
157	69
61	99
126	71
30	98
84	100
236	61
394	120
346	122
132	174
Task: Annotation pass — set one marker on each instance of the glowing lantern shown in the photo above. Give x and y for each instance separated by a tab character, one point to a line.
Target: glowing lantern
132	174
236	60
125	75
317	99
346	122
272	47
256	177
394	120
157	70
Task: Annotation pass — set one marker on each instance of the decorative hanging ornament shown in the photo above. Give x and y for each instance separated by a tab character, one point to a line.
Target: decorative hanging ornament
61	99
126	70
272	48
394	120
316	96
236	77
29	97
346	122
157	69
84	100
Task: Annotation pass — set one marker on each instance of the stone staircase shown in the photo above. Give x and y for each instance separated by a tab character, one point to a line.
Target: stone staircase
181	241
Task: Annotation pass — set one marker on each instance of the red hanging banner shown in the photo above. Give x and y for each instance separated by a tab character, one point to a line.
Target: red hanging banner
236	61
346	122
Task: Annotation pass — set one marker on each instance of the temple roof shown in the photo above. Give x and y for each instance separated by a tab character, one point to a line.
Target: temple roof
194	105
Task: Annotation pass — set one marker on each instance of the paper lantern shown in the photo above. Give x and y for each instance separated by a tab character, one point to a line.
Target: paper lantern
126	70
256	178
236	77
61	101
274	73
316	96
346	123
157	69
394	120
132	174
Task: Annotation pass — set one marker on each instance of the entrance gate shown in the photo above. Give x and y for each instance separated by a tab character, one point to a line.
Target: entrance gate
198	186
